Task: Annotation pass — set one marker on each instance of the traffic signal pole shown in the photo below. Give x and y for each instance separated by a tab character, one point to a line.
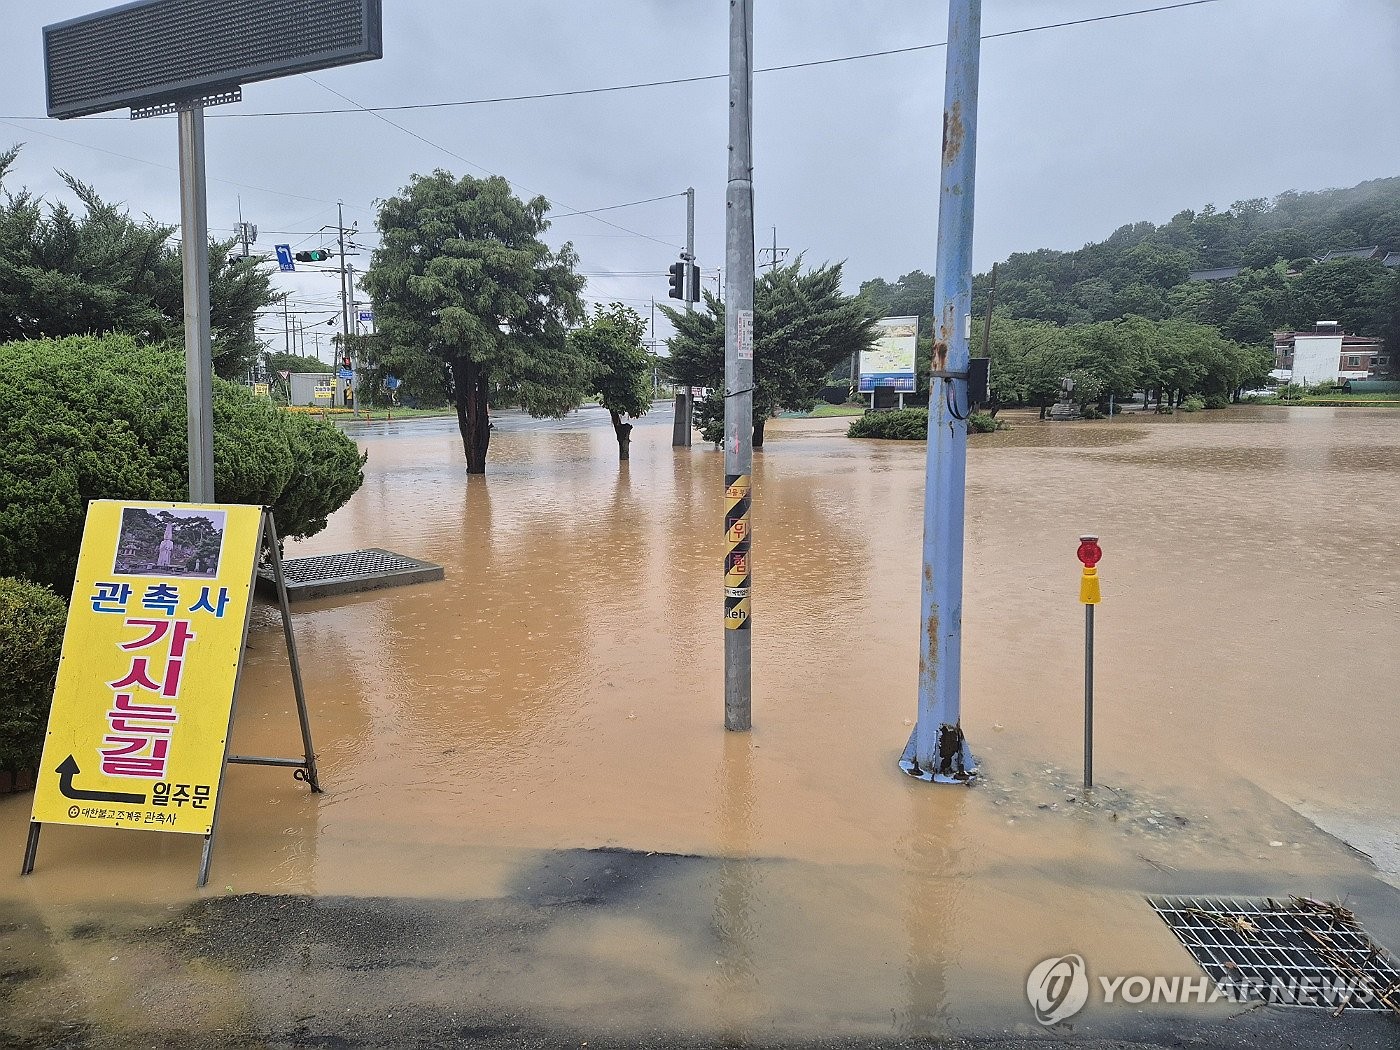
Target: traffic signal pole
738	376
692	295
344	296
937	750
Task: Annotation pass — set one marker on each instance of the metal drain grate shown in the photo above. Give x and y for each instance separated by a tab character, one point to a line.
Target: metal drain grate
1292	952
362	570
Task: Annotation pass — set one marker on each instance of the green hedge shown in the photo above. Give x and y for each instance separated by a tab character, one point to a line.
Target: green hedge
911	424
101	417
31	636
898	424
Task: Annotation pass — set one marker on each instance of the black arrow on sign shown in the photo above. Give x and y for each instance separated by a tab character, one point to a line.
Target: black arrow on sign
68	768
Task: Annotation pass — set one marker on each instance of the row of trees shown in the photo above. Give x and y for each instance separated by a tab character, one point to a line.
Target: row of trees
1171	359
465	289
1142	270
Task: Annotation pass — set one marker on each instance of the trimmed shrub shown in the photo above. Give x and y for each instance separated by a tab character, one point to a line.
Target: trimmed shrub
31	637
1217	401
911	424
100	417
898	424
1194	403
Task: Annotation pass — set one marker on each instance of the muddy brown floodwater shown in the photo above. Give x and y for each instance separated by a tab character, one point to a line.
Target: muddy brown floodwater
562	689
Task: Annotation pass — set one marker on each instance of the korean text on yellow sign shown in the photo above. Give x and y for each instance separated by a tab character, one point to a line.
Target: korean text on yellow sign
141	709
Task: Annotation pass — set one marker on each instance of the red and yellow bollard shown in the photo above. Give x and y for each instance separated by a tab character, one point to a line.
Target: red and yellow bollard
1089	554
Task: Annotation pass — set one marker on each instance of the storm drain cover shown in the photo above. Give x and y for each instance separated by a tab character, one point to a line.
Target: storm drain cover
362	570
1291	952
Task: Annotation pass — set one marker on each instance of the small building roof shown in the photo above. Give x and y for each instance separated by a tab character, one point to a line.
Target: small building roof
1353	253
1392	259
1220	273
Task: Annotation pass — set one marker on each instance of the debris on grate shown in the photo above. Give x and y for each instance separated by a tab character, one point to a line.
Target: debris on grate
1293	952
362	570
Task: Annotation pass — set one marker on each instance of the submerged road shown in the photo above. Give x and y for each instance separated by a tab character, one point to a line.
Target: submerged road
511	420
536	833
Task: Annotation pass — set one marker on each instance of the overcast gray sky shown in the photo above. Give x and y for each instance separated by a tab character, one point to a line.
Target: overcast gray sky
1082	129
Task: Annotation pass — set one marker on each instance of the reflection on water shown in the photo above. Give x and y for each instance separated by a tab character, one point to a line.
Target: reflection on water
562	687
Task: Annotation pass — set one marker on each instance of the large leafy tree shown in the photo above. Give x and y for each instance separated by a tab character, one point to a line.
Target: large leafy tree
804	325
99	270
611	341
462	273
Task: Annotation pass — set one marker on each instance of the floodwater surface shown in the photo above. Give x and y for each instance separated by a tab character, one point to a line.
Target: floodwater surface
562	689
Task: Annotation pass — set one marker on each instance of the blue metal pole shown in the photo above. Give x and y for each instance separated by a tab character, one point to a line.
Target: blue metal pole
937	750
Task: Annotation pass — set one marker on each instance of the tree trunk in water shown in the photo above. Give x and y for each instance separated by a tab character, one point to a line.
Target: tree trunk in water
473	416
758	431
624	436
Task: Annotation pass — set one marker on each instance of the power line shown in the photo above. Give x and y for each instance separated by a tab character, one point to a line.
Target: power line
614	207
682	80
472	163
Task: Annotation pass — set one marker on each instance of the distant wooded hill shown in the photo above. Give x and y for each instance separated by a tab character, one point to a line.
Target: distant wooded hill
1146	270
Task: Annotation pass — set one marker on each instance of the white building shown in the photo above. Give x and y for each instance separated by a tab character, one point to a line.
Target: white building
1327	355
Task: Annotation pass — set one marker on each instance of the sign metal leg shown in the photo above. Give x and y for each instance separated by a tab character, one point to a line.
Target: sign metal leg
204	860
31	848
303	717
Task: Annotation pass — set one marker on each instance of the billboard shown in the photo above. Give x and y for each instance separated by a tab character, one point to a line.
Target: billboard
139	725
158	51
889	363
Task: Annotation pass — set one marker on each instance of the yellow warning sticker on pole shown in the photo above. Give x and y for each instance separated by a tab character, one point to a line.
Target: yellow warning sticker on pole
738	569
139	726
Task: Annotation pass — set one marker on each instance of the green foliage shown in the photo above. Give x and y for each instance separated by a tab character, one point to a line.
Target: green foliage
1192	404
101	271
803	326
1217	401
327	469
91	417
620	367
31	638
1029	360
984	423
1141	270
708	417
461	274
899	424
277	361
422	376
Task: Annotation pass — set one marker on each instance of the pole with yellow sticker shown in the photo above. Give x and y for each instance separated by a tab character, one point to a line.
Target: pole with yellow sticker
1089	554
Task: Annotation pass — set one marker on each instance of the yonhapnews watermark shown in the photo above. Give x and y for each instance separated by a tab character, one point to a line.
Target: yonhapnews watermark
1059	987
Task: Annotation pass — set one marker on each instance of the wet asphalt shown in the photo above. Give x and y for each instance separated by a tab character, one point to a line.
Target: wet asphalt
340	972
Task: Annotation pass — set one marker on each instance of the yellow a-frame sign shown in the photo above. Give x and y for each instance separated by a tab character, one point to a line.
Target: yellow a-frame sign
138	735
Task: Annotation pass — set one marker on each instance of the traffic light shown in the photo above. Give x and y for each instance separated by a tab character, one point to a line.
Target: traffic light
694	283
314	255
677	272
